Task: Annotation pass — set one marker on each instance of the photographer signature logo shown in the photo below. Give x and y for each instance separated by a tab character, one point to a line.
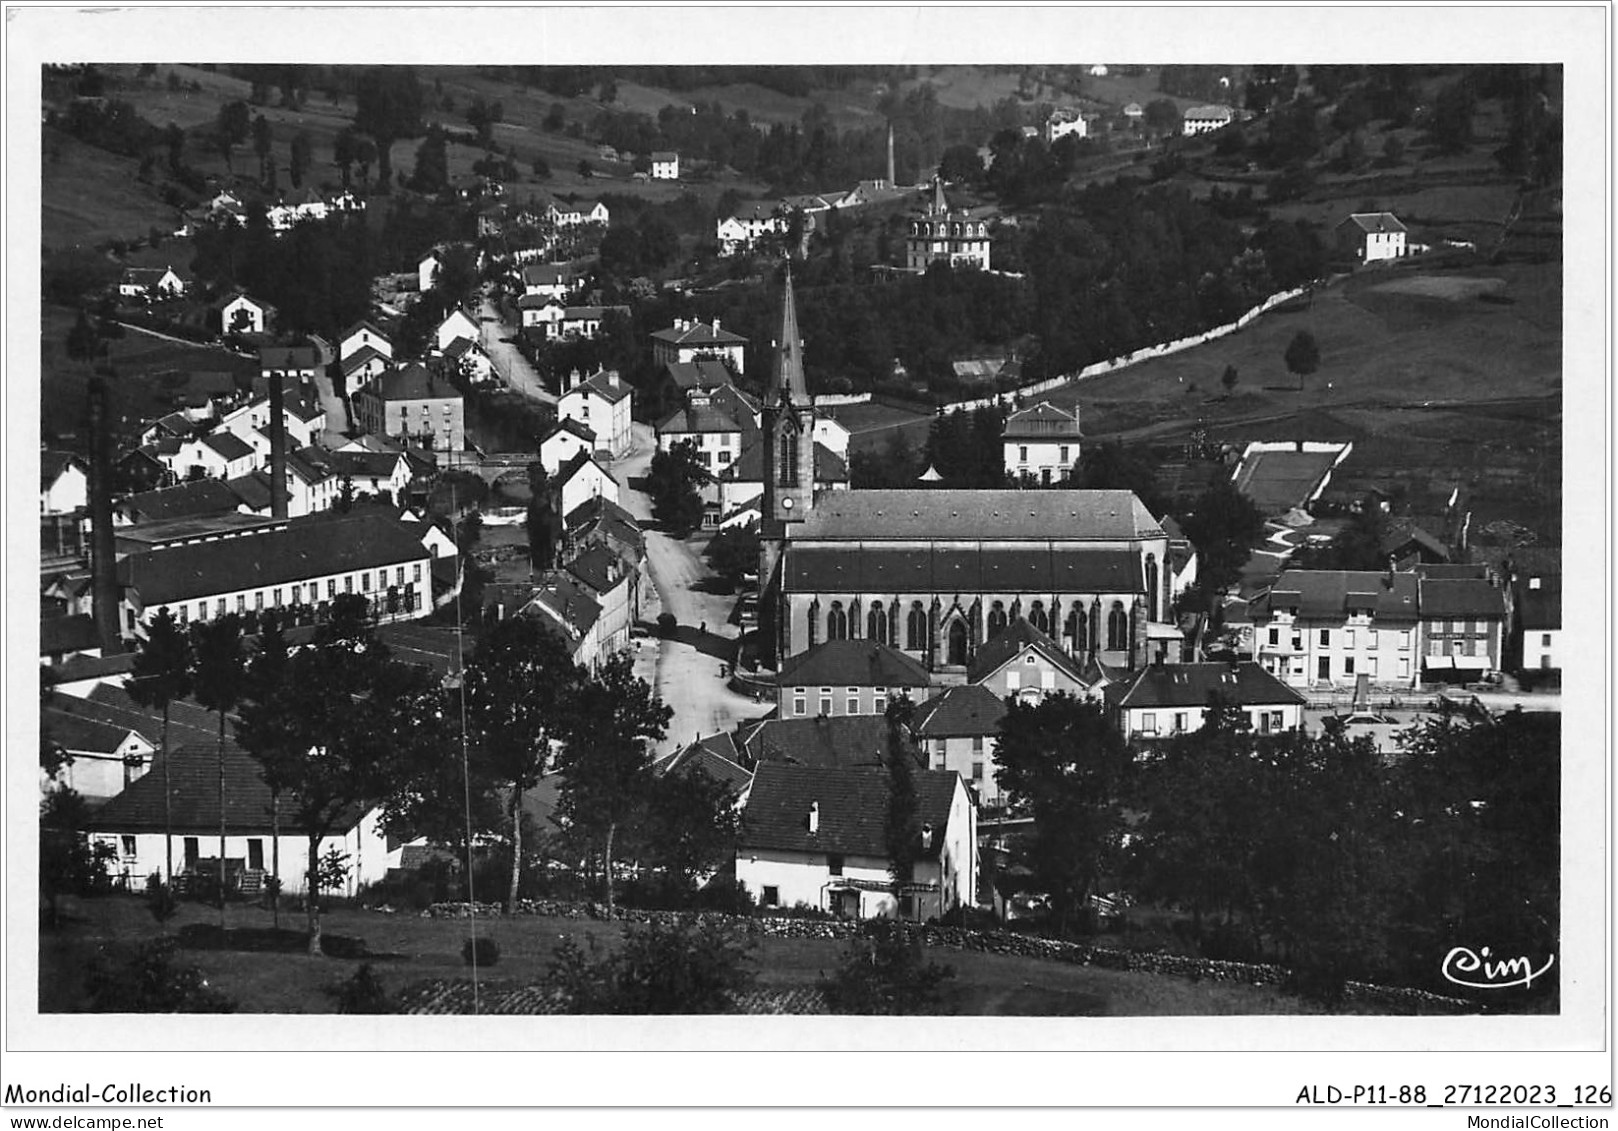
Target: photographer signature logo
1476	970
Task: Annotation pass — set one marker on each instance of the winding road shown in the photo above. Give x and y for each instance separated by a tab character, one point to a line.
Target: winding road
513	367
685	670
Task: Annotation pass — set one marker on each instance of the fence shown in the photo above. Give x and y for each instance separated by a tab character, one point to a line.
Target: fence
1112	365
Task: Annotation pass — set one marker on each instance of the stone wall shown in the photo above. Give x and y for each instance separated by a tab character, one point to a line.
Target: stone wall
1011	943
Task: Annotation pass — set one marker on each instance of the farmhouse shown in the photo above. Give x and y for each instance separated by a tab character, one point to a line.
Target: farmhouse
665	166
1371	236
815	836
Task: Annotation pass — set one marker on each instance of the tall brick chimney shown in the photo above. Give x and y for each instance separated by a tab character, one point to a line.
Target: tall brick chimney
278	445
103	558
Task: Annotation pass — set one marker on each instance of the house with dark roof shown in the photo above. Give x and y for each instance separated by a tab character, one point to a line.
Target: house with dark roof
133	823
106	753
665	165
71	635
741	484
1041	443
411	405
1537	621
150	283
1163	700
1021	660
553	281
567	609
1370	236
239	313
958	731
1409	545
579	480
564	439
717	757
689	340
816	836
1463	628
615	587
824	740
848	677
601	522
364	335
603	402
197	499
1326	628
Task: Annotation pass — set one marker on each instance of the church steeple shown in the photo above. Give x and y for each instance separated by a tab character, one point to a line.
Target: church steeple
786	378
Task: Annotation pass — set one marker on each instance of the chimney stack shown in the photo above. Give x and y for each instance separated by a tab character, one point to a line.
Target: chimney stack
278	445
103	561
926	836
892	178
814	817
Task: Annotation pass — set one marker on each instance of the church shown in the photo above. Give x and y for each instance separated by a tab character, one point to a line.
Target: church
939	573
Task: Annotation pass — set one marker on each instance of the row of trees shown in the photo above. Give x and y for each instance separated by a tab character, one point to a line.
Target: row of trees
1312	850
338	727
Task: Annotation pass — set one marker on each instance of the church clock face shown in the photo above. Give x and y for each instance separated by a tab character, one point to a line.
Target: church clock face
786	504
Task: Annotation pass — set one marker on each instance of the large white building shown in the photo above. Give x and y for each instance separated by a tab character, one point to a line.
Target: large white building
603	403
939	234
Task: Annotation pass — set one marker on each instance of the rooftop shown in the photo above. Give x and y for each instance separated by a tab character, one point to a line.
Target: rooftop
965	711
1326	594
1016	638
1190	685
851	806
980	516
851	663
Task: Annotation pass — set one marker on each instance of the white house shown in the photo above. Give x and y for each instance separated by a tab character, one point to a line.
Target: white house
222	455
1537	613
832	436
689	340
602	403
1203	119
470	360
1326	628
363	335
457	324
847	677
1041	443
665	166
581	479
150	283
814	836
549	280
1163	700
566	439
741	231
1063	123
578	213
958	731
1370	236
427	270
64	483
240	314
133	824
1023	661
362	367
543	312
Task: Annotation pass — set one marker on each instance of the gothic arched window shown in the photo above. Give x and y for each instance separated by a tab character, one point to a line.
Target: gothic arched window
997	619
1151	586
916	628
836	622
1117	628
1037	618
1074	629
876	624
788	476
957	642
814	623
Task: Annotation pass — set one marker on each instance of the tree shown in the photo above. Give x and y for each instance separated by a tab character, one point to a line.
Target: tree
235	121
605	763
689	829
902	826
521	687
265	733
1357	546
1110	466
1162	115
302	155
162	674
1224	525
343	150
219	676
69	864
660	969
586	170
885	972
1302	355
544	526
961	164
263	139
330	735
1065	763
387	107
733	553
672	482
431	172
1452	117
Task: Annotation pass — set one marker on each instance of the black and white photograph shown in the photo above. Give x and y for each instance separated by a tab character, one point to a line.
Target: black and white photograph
901	529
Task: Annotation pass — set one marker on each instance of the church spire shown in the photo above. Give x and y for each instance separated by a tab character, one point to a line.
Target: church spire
787	380
940	205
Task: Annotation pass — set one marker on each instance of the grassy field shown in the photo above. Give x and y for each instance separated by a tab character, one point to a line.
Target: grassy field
420	950
90	196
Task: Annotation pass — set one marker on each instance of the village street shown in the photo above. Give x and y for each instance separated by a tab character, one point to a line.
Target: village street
685	670
508	360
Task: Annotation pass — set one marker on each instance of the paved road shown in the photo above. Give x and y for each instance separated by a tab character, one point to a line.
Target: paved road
685	670
336	413
508	360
